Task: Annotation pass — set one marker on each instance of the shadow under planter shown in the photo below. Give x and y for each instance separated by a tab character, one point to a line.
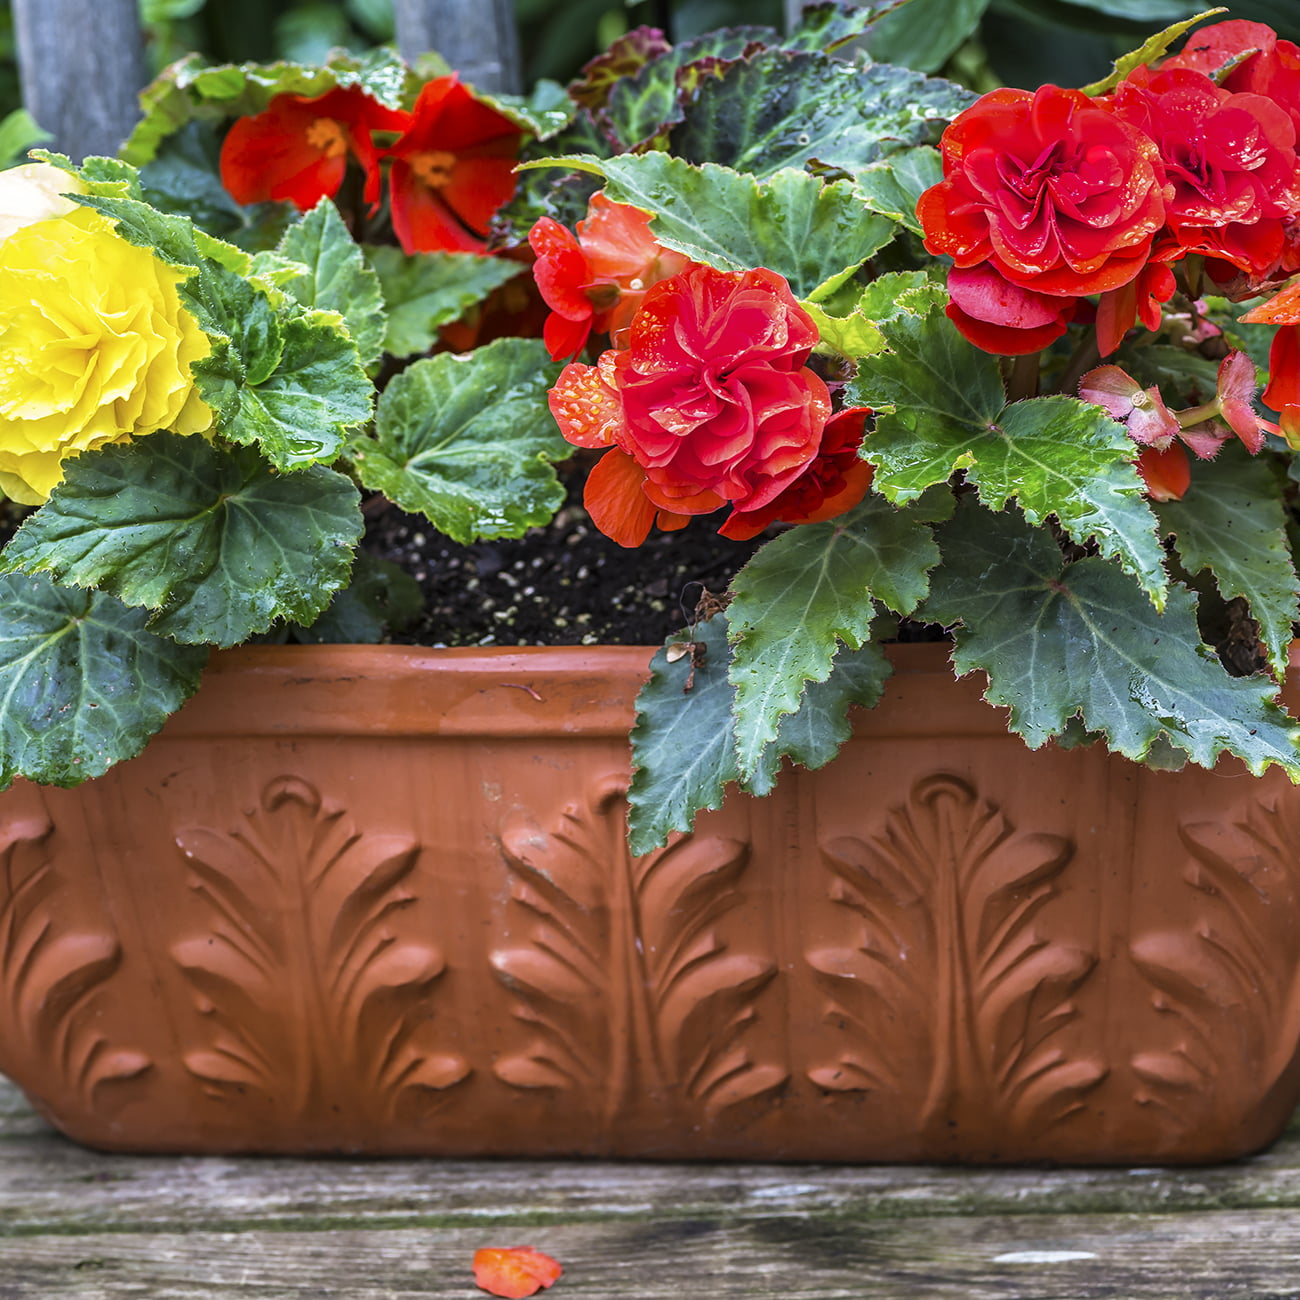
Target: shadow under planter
378	900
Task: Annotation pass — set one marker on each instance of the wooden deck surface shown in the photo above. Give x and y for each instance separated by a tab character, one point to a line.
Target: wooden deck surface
74	1224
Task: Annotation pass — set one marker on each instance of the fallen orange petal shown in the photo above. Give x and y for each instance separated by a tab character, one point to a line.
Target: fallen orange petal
514	1272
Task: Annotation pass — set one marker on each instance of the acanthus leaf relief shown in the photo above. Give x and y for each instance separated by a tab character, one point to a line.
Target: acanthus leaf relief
1225	979
309	996
634	997
50	976
954	992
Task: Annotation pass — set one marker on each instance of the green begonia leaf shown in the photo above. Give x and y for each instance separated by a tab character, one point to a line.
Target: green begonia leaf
213	541
849	318
428	290
19	131
893	186
807	591
380	598
1059	640
682	745
829	25
1232	522
813	734
639	107
278	375
1054	455
1151	50
853	335
914	293
83	682
543	113
779	110
814	235
682	752
469	441
923	34
339	279
317	391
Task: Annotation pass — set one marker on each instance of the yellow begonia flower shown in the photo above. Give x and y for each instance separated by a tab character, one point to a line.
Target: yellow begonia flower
35	192
95	348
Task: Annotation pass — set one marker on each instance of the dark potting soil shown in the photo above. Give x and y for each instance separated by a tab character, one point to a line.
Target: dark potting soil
565	584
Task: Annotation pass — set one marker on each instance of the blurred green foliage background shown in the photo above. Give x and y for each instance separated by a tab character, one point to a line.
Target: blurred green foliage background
982	43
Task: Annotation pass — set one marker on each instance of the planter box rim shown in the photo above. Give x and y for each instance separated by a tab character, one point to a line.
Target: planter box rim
489	691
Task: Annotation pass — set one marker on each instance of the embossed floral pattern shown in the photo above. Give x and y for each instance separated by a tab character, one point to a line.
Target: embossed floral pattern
301	900
636	999
50	975
955	968
1225	989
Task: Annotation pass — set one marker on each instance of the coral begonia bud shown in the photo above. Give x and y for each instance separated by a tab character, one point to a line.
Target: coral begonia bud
1167	473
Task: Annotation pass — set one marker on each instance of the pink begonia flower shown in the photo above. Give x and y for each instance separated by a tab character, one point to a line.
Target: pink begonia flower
1142	410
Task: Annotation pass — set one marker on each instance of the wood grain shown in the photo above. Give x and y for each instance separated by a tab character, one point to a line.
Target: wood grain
82	65
1208	1256
477	37
77	1225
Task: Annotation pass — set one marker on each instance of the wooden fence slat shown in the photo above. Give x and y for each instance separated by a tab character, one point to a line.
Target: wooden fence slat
477	37
82	66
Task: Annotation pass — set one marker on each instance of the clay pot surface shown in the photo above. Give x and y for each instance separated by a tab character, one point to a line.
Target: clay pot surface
378	900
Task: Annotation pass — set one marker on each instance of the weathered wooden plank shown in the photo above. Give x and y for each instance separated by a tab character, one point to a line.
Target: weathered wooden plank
48	1185
1195	1257
477	37
82	66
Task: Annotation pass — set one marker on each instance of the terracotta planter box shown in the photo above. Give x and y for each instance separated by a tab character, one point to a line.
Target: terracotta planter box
378	900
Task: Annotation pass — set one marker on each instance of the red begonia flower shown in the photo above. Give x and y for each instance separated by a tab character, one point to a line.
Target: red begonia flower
711	403
514	1272
597	280
615	499
1211	49
1230	162
1002	317
298	149
1283	390
717	401
626	260
1051	188
452	169
834	483
1120	309
586	404
1264	65
561	272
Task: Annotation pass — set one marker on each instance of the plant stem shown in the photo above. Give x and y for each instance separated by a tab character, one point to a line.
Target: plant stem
1024	377
1086	355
